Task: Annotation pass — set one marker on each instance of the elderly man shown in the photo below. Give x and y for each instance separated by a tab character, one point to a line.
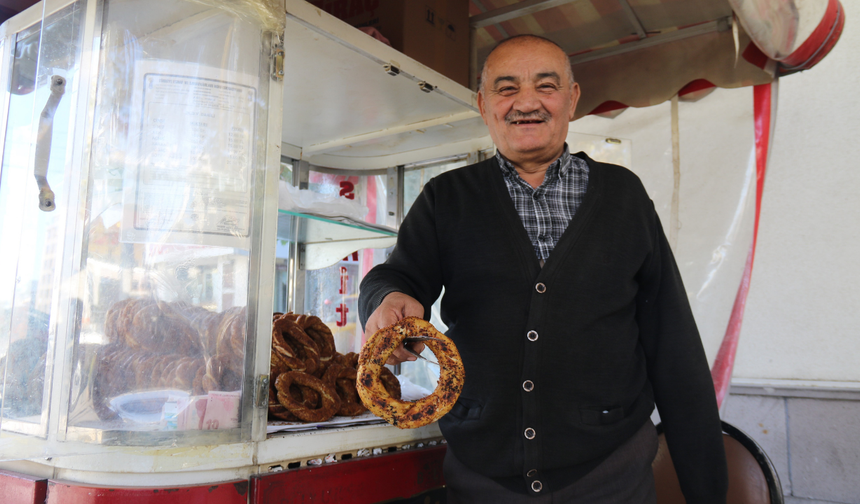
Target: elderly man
565	302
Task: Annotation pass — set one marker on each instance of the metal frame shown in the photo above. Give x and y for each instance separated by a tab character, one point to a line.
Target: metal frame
6	58
633	18
11	33
720	25
296	274
394	196
258	342
513	11
79	162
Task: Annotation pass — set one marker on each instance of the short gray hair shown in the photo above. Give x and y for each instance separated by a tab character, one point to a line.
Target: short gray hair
568	67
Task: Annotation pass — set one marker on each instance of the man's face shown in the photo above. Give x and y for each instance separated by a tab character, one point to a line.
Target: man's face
527	100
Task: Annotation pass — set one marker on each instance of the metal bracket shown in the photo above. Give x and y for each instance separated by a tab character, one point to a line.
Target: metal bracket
391	69
278	61
302	255
262	398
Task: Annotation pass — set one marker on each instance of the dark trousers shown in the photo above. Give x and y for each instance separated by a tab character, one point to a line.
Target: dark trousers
625	477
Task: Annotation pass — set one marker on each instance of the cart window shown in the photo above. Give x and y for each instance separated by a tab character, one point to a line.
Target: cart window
39	119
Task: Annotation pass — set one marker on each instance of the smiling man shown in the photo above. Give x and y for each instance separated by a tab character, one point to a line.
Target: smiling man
565	303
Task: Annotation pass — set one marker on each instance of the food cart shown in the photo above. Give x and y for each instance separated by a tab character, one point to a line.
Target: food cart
172	175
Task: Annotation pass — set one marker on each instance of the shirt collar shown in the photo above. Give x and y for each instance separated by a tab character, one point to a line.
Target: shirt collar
557	169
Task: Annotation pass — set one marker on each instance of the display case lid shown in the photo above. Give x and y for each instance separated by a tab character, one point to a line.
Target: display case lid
342	109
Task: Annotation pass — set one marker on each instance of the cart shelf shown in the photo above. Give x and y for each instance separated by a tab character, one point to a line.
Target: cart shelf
323	241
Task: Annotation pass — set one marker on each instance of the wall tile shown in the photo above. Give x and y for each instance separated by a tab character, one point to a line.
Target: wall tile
824	446
763	419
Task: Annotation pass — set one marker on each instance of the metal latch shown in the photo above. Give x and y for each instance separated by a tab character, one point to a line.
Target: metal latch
262	391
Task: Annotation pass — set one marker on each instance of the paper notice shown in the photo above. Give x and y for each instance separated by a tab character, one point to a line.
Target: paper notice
191	172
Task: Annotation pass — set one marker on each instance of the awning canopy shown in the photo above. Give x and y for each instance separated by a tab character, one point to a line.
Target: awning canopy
642	52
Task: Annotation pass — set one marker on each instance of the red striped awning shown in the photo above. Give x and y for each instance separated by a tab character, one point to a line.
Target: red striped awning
642	52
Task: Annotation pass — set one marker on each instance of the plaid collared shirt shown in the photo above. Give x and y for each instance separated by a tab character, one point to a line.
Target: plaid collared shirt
547	210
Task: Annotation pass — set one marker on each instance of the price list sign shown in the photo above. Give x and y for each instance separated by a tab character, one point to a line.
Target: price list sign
194	162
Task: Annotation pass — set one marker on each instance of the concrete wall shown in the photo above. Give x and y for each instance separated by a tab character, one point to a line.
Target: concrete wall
801	319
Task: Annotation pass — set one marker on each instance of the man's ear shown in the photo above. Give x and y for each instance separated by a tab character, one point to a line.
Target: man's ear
481	106
574	99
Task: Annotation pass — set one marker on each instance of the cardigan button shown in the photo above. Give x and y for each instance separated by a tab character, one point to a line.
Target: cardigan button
528	385
540	288
529	433
537	486
532	335
531	473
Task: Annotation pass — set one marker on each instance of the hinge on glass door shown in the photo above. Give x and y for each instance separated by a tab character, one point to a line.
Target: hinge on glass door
278	61
303	252
262	397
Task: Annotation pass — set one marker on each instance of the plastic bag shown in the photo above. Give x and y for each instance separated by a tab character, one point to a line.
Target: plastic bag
293	199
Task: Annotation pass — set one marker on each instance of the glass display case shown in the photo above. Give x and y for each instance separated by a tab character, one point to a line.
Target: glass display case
129	300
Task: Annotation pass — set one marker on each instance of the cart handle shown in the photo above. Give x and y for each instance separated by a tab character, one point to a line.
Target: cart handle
43	143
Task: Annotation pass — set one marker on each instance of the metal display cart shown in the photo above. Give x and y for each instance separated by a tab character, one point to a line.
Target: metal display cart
150	252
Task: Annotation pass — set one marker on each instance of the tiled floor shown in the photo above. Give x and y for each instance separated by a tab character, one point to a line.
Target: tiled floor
796	500
814	444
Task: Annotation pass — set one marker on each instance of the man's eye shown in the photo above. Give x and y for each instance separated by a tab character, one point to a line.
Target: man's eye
506	90
547	87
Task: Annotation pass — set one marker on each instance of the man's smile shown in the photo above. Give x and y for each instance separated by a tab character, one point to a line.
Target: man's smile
520	119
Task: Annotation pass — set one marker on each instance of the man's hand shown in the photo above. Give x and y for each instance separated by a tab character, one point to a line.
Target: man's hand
394	307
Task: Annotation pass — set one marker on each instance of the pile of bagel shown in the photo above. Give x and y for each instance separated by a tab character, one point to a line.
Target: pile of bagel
310	381
168	345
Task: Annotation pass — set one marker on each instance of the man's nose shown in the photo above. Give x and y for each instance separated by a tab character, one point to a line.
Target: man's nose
527	100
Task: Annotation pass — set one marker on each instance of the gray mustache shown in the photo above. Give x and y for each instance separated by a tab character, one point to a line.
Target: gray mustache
531	116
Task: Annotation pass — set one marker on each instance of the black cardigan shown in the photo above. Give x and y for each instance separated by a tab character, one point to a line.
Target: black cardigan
614	330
